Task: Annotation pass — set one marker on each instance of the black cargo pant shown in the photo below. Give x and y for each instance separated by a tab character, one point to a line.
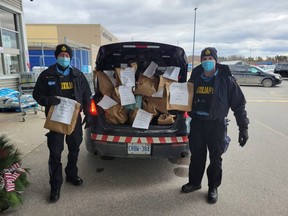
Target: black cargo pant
55	143
206	134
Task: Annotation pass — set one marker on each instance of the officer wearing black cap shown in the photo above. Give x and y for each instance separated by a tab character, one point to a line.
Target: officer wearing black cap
61	79
215	92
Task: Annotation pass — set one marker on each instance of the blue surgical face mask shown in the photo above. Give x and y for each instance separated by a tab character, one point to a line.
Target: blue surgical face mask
63	61
208	65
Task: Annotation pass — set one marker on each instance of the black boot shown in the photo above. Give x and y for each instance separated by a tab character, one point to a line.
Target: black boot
75	180
187	188
54	195
212	195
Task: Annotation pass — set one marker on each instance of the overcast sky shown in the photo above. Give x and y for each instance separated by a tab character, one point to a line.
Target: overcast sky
235	27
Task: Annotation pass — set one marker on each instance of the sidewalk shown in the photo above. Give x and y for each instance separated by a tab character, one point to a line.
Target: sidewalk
26	135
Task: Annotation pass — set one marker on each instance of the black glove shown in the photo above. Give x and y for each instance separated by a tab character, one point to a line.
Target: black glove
243	136
86	121
52	100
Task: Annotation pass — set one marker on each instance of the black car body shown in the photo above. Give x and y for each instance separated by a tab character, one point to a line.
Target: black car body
252	75
282	69
119	140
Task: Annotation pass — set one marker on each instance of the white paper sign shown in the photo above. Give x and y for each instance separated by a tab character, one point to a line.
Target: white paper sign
127	76
142	119
150	70
126	95
63	112
107	102
110	74
178	93
172	73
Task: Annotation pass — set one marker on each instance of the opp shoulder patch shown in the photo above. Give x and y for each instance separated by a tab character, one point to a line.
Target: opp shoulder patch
50	83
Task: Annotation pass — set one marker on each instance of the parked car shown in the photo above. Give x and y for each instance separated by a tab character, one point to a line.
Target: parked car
282	69
123	140
268	68
252	75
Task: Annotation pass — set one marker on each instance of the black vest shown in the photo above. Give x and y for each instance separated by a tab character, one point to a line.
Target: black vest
203	95
67	87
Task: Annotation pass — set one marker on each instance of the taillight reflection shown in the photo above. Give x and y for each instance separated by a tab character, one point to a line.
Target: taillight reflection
186	115
93	109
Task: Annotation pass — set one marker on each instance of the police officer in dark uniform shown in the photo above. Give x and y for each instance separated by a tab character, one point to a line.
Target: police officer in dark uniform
61	79
215	92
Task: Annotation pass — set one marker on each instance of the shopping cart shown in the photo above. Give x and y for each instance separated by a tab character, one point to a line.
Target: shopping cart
26	102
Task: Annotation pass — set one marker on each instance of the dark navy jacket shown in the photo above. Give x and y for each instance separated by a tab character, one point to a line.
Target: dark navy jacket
227	94
43	90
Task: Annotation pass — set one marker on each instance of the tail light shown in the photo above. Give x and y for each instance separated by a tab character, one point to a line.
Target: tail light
93	108
186	115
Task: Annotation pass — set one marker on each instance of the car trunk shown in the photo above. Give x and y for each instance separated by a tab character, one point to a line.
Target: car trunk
113	56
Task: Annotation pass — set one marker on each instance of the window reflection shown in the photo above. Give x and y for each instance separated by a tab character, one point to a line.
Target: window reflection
7	20
9	44
12	63
9	39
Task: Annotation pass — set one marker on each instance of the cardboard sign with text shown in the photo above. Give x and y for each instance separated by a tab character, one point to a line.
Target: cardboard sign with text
180	106
59	126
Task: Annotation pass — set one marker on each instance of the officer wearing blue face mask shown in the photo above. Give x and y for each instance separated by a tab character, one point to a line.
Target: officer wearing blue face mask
61	79
215	92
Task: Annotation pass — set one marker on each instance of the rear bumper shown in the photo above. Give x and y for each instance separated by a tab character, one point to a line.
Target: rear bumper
172	149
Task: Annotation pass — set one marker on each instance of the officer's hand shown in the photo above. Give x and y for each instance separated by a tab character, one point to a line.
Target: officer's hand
52	100
86	121
243	136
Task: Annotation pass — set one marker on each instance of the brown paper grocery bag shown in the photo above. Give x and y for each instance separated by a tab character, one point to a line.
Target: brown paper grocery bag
164	81
146	86
190	87
132	115
61	127
158	103
116	114
118	73
165	119
149	107
106	86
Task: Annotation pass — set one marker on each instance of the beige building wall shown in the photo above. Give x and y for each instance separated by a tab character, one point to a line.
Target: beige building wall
42	34
89	36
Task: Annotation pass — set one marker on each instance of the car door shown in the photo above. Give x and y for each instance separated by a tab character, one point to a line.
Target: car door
238	71
253	76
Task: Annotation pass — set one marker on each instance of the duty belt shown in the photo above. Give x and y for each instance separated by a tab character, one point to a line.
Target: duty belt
204	118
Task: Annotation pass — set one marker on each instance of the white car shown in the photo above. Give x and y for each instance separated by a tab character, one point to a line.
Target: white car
268	68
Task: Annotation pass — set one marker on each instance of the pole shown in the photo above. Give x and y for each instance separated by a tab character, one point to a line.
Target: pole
194	38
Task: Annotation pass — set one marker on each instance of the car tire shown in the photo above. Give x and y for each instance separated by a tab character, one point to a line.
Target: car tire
267	83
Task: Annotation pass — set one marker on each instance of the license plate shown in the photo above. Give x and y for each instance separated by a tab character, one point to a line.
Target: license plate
139	149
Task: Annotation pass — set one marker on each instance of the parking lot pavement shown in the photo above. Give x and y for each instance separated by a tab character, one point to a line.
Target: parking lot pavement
26	135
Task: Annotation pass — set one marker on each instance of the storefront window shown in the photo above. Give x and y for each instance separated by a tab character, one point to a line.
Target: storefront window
12	63
10	60
1	65
7	20
9	39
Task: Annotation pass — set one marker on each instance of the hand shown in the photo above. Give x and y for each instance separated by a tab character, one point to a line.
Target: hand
86	121
243	136
52	100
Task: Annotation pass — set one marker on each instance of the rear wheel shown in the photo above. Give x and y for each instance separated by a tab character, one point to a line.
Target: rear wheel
267	83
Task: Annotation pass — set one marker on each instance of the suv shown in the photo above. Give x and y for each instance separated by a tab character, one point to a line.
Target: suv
122	140
282	69
252	75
